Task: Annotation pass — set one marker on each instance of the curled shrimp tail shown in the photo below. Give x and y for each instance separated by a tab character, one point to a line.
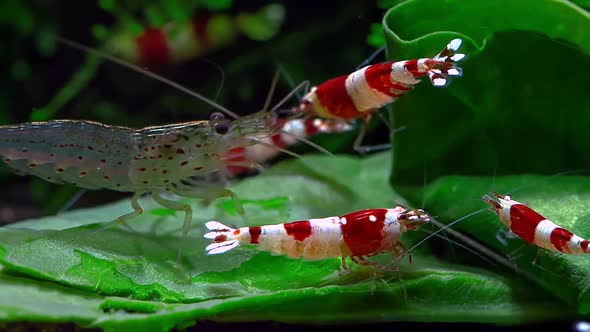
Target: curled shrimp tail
222	235
444	64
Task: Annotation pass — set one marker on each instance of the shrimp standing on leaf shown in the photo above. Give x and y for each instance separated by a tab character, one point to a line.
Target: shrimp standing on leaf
532	227
357	235
187	159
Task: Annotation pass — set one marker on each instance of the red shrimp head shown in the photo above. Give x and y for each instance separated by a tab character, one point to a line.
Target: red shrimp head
500	205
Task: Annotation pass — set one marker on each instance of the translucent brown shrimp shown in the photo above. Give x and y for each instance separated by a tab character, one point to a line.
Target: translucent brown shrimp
184	158
187	159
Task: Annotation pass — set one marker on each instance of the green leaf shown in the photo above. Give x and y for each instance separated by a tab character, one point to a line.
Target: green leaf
562	199
512	112
121	279
515	101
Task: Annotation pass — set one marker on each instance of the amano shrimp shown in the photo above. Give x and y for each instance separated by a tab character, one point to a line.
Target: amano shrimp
357	235
187	159
183	158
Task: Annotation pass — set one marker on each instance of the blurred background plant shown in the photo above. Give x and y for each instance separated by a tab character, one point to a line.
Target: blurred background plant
246	43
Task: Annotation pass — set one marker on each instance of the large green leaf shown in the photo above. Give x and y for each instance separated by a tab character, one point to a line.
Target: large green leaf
121	279
521	104
562	199
517	109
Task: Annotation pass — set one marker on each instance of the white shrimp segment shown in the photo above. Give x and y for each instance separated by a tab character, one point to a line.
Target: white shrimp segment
363	96
263	152
392	229
296	127
400	74
543	234
505	213
574	245
324	241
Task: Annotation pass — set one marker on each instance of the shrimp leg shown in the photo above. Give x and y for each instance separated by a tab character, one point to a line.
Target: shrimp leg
137	210
176	206
237	204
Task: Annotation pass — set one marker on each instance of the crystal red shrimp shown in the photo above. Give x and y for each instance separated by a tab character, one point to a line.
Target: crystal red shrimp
357	235
291	131
359	94
534	228
175	43
183	158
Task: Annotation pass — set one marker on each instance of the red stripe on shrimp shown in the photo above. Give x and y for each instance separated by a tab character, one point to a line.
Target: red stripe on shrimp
412	67
379	78
524	221
254	234
559	239
334	98
362	231
153	47
310	127
299	230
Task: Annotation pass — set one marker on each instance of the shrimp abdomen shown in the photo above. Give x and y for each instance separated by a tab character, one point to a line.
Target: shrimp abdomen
84	153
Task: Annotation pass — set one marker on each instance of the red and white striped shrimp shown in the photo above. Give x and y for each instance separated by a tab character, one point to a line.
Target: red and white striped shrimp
357	235
291	132
183	158
360	94
534	228
174	43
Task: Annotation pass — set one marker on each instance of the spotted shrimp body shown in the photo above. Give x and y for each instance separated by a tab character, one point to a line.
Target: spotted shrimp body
534	228
185	158
361	93
357	235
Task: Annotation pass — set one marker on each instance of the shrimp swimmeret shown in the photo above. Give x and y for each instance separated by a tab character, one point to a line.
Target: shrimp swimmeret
180	158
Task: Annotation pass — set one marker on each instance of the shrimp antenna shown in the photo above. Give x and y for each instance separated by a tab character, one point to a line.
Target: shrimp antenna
285	74
370	58
304	84
146	72
445	227
268	145
290	95
273	86
308	142
444	237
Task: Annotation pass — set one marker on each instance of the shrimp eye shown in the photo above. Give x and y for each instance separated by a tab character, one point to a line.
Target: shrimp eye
402	216
221	128
216	116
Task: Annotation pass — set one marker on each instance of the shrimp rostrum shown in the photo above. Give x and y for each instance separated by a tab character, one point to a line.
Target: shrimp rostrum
184	158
